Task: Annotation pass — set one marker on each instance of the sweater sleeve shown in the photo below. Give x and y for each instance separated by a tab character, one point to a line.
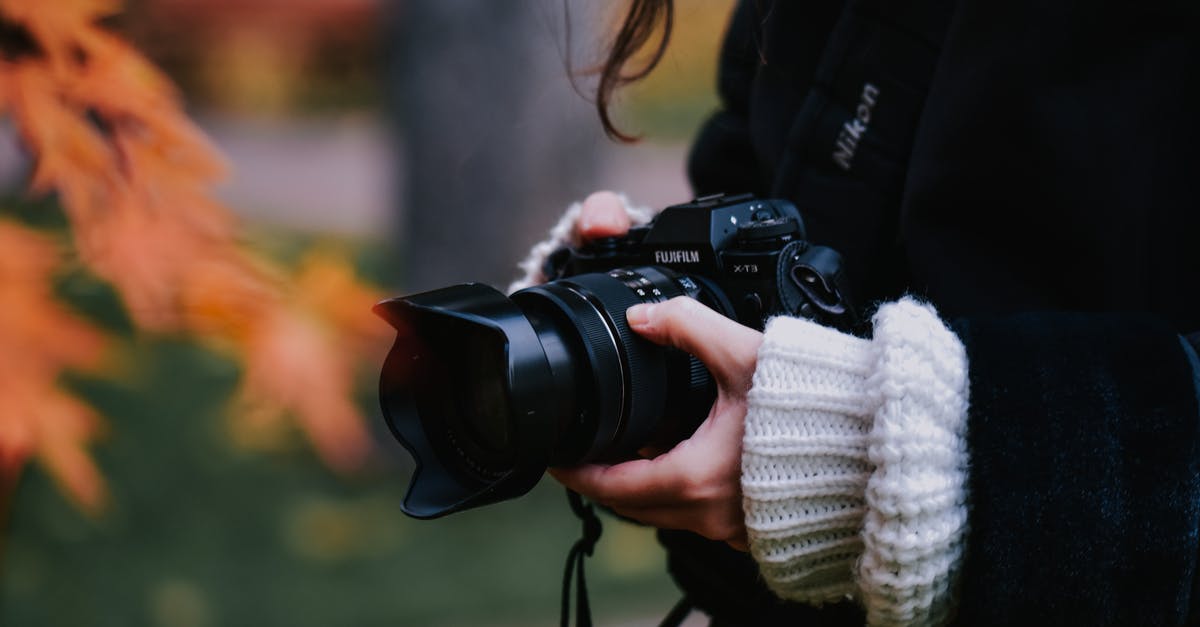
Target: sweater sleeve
854	464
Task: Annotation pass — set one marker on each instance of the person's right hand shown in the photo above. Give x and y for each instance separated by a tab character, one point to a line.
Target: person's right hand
603	215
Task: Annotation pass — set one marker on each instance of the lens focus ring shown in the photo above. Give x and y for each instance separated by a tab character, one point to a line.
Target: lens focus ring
645	368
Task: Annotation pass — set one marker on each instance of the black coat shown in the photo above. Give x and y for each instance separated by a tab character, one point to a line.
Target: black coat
1032	168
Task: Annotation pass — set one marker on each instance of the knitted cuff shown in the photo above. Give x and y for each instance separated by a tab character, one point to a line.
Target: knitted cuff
804	458
563	234
854	464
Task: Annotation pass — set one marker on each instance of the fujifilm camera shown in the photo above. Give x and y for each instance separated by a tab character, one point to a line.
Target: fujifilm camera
486	391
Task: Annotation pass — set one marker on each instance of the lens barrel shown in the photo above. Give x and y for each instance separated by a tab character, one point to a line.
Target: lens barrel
486	392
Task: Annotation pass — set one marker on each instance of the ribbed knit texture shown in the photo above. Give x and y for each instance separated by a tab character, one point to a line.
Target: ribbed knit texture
854	464
804	458
564	234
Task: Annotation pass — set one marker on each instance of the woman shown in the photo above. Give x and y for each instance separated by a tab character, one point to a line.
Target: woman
1012	186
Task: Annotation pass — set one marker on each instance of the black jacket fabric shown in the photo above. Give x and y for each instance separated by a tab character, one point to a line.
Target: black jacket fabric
1031	168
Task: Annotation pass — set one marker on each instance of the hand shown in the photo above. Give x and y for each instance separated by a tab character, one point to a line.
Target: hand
696	485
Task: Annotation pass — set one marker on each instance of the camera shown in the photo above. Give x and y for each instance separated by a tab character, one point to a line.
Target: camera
487	391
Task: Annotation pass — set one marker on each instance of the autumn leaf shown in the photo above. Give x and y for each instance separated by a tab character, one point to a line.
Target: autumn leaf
327	285
39	338
44	421
58	25
295	366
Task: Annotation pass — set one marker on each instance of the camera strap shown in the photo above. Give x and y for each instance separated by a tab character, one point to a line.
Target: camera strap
583	548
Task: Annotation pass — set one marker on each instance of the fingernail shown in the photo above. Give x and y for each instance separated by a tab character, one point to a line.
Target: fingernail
638	315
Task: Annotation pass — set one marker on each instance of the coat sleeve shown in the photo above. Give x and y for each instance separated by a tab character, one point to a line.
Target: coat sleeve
1084	481
722	158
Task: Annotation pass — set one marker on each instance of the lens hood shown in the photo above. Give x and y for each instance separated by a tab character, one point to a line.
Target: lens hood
443	338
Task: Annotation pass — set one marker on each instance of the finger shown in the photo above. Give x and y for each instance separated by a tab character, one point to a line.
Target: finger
697	469
728	349
603	215
637	483
724	527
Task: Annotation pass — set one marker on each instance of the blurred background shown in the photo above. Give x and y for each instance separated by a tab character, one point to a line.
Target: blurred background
432	141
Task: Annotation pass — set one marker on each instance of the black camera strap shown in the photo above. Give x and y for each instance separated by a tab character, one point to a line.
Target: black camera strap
583	548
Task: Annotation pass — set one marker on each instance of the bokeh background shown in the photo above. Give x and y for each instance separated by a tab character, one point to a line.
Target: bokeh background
431	142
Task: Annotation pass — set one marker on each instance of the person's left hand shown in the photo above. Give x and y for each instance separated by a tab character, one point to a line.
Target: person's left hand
697	484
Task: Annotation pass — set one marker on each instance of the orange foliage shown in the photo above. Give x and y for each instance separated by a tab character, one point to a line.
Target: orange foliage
134	177
38	338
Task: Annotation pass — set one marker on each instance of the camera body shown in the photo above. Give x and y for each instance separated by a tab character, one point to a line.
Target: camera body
487	391
754	251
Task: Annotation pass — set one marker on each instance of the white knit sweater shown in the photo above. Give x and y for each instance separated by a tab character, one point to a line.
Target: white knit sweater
854	464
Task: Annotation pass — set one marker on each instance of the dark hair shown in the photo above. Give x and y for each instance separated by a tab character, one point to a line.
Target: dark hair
641	21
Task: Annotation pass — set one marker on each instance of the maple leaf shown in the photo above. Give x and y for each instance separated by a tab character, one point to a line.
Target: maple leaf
295	365
46	422
70	150
59	25
38	339
37	332
327	284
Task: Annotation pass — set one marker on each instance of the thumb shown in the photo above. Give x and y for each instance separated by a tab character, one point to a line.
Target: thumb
603	215
727	348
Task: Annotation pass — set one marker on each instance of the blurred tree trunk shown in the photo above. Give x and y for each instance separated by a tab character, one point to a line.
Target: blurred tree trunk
495	141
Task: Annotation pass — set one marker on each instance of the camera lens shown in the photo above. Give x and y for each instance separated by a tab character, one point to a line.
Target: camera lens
623	383
487	391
